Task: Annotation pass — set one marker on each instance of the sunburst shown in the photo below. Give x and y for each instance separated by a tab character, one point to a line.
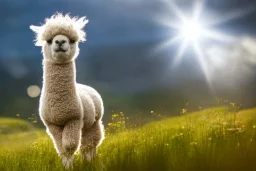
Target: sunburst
192	30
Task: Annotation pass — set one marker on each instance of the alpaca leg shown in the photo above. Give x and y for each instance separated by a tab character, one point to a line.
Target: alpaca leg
55	132
91	138
70	140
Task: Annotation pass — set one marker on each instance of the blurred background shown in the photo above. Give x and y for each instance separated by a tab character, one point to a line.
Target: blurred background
125	58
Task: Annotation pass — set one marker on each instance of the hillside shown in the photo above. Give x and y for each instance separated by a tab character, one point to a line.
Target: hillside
16	132
212	139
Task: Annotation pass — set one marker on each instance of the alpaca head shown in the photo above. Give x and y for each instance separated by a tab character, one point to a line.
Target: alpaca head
59	37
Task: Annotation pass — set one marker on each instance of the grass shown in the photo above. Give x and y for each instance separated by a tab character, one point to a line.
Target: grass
8	125
15	133
212	139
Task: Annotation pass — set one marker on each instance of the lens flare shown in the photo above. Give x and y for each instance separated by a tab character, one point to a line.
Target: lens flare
33	91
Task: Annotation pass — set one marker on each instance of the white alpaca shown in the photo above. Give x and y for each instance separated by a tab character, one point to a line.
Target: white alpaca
71	112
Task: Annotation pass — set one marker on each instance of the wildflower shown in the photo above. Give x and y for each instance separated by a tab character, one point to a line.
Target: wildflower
233	104
35	144
231	129
114	115
183	111
240	130
193	143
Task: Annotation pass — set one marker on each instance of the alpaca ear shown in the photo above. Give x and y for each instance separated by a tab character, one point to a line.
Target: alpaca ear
35	29
81	22
38	31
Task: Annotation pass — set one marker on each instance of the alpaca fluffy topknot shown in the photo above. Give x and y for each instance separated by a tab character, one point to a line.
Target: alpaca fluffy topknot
71	27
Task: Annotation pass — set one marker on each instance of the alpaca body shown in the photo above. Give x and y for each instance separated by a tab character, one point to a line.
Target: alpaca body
63	99
70	111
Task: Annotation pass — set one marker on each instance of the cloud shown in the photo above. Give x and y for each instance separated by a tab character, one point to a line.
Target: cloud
242	52
249	48
232	64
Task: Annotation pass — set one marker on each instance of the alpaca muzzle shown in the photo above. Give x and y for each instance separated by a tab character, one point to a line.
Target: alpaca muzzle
60	50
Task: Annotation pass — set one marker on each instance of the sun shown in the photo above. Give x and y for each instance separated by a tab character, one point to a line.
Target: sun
191	30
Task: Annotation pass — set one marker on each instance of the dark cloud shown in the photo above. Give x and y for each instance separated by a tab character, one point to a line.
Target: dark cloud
110	21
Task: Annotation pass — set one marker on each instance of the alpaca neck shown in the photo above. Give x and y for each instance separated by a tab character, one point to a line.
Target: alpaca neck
59	78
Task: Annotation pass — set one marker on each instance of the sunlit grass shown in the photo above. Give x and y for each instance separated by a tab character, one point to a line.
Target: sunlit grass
212	139
8	125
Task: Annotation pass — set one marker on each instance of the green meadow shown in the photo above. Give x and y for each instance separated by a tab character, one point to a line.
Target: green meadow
214	139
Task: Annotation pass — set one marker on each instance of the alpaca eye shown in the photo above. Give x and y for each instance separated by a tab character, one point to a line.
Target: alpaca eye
49	41
71	41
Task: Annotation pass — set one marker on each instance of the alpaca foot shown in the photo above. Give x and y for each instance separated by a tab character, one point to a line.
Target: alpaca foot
89	154
67	161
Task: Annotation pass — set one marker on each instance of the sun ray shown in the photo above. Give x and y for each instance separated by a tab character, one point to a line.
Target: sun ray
180	53
198	8
217	35
239	13
166	21
168	43
177	11
201	57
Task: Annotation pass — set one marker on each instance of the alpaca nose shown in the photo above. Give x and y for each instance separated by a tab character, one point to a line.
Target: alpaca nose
60	42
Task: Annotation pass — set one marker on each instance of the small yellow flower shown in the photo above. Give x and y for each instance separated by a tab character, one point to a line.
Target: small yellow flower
193	143
184	111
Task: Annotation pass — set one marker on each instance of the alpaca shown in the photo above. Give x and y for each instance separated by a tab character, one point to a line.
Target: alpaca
70	111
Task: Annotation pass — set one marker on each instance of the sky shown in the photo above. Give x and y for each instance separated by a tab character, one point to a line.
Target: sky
129	45
112	21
